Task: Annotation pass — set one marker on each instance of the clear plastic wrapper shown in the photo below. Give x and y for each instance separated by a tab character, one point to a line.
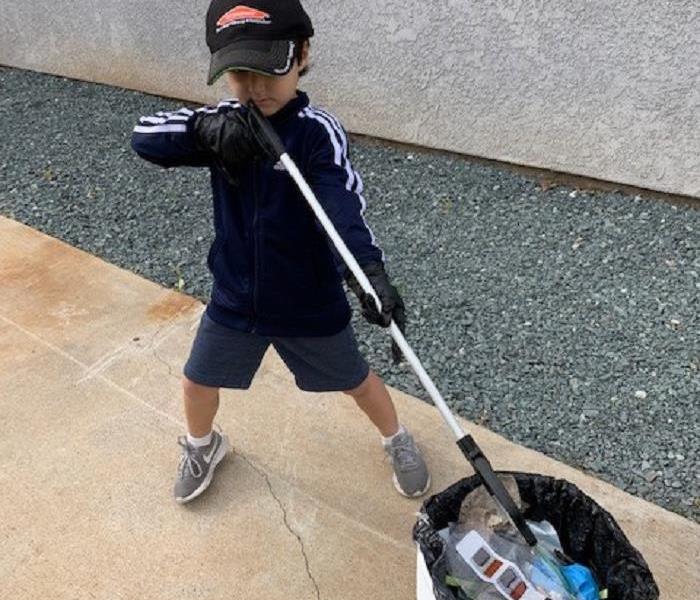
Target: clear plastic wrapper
492	566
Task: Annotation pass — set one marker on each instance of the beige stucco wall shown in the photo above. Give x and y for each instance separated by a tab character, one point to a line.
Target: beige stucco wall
604	89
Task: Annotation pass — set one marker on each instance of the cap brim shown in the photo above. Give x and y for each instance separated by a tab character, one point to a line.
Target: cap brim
269	57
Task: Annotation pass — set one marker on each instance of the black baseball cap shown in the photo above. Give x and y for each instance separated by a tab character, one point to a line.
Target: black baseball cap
255	35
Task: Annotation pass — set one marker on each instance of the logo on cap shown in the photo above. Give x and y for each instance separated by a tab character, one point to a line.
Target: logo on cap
242	14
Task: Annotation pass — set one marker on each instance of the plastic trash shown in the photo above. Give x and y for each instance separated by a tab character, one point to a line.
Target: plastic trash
540	567
546	535
488	565
480	513
587	533
546	575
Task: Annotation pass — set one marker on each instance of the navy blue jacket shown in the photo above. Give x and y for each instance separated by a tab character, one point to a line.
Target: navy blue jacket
275	272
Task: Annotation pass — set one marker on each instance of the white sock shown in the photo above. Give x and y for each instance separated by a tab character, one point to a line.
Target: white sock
387	440
199	442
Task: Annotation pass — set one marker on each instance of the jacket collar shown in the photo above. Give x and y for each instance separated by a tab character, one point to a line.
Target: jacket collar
290	109
300	101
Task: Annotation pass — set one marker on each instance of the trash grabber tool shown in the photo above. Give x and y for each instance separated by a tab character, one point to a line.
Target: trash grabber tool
268	137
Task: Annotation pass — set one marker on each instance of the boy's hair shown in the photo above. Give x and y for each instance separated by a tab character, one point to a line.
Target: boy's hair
298	47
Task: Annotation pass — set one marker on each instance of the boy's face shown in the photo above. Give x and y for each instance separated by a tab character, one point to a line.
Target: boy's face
269	92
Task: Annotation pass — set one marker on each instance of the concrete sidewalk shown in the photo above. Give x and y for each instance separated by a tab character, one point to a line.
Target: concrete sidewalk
90	359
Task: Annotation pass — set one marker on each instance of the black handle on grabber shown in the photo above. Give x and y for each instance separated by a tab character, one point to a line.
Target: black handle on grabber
267	137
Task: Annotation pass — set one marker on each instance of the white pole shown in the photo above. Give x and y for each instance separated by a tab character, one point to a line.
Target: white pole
359	274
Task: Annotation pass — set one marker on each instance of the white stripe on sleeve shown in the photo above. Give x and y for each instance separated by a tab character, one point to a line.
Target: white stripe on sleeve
336	146
344	142
340	154
161	120
232	102
152	120
223	104
161	129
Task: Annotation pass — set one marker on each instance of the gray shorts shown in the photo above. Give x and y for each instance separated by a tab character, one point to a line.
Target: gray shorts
228	358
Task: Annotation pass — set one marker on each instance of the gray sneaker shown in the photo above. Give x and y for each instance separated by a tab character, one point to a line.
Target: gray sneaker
411	477
196	468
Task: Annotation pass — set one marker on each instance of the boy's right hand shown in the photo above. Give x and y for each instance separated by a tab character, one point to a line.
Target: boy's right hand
393	308
228	138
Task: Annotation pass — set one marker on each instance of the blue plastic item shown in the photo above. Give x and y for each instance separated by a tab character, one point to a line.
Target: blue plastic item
545	576
581	582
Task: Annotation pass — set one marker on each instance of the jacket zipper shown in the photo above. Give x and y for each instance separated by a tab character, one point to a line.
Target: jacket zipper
255	247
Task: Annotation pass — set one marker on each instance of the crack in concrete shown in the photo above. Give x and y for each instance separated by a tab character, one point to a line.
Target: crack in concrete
154	344
286	523
166	363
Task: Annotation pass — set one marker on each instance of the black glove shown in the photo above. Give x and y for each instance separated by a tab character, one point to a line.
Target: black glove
230	139
392	304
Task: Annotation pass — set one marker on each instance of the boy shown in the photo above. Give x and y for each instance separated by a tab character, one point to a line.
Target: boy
276	278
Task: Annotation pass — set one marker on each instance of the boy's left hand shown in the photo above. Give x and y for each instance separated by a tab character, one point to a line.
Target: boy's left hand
392	304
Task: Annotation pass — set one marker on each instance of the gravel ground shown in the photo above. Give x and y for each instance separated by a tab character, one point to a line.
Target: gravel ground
566	320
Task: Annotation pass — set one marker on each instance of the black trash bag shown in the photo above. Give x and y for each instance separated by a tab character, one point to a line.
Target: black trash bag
588	534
